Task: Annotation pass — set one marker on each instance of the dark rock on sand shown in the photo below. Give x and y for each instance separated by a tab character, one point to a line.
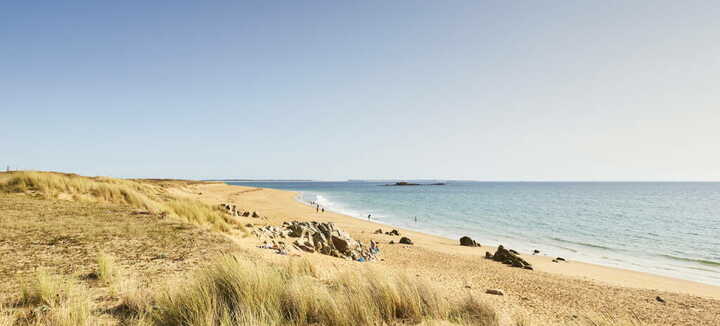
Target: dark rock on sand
255	214
230	209
488	255
468	242
341	243
378	231
393	232
508	257
659	299
513	251
495	292
405	240
392	242
535	252
560	259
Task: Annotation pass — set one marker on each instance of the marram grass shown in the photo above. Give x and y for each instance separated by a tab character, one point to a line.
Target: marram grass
237	292
135	193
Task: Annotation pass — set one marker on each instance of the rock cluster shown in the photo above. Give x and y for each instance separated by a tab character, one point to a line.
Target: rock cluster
320	237
468	242
393	232
509	257
233	210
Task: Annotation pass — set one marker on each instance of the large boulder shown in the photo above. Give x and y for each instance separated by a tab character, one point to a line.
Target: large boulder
468	242
341	244
406	240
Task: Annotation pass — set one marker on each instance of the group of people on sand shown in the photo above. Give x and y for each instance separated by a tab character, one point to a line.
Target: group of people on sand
318	209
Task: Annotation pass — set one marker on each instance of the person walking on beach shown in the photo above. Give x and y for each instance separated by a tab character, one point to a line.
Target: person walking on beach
368	217
317	208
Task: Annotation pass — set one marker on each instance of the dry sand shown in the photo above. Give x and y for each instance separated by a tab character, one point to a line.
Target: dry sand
555	291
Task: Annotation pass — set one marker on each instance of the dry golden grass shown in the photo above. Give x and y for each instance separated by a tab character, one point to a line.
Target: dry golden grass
45	288
107	271
144	194
238	292
53	300
63	236
7	317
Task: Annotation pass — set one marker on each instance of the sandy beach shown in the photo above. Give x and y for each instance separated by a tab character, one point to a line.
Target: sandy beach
556	291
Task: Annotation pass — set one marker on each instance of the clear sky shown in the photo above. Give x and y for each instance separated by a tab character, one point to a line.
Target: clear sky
483	90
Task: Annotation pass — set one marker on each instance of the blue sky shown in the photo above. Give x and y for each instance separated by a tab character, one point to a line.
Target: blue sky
483	90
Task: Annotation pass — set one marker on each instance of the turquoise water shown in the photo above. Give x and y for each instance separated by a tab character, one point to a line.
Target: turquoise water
668	228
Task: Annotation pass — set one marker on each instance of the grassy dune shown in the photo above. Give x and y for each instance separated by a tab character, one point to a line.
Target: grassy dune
143	194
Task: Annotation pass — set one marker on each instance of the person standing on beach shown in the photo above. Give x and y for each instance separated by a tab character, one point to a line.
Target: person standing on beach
323	209
317	208
368	217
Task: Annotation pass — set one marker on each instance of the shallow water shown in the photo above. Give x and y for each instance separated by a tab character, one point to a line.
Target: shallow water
666	228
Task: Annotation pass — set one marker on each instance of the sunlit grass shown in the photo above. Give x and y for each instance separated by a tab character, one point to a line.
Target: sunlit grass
135	193
236	292
107	271
61	301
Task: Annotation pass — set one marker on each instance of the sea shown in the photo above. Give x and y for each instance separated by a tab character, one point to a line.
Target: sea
664	228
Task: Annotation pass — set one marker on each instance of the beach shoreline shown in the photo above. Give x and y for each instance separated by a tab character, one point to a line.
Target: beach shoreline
575	269
630	233
580	269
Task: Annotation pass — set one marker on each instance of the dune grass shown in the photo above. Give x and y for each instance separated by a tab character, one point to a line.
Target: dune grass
45	289
140	194
107	271
237	292
199	213
7	318
55	300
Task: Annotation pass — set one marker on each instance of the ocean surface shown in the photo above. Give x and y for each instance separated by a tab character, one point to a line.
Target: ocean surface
665	228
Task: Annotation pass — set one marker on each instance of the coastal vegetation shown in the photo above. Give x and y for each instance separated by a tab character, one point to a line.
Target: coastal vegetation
149	195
